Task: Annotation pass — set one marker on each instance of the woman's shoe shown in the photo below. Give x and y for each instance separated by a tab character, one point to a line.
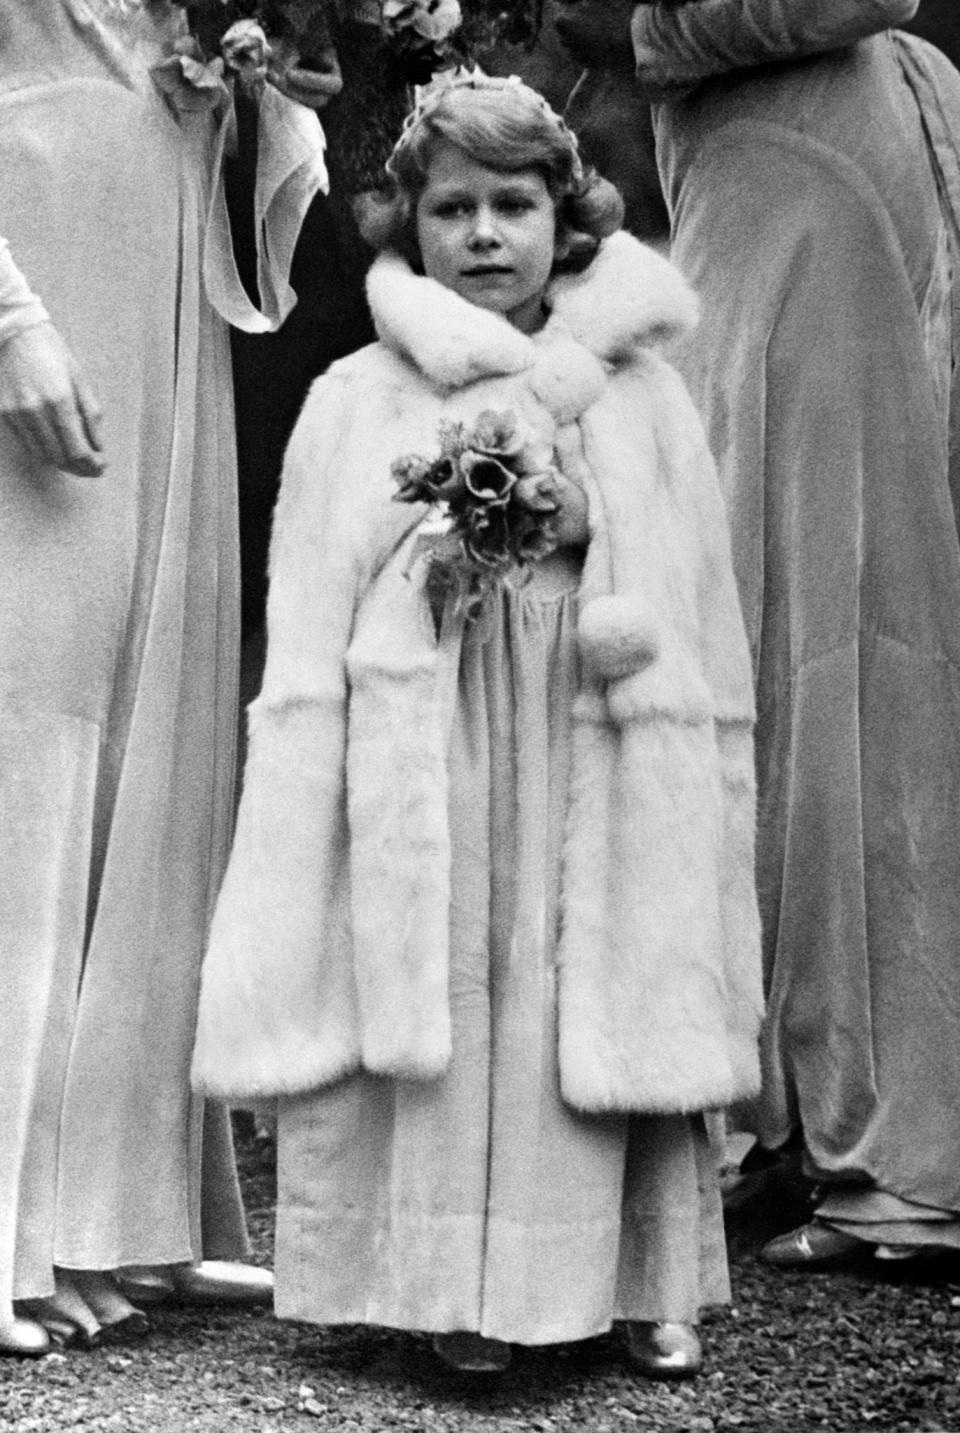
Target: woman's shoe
23	1338
471	1352
811	1246
62	1334
216	1281
664	1350
117	1317
901	1253
145	1285
65	1314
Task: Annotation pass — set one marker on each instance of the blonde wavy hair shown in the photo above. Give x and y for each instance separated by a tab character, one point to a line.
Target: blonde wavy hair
505	125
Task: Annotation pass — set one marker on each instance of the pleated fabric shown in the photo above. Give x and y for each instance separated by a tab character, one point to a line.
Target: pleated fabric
479	1200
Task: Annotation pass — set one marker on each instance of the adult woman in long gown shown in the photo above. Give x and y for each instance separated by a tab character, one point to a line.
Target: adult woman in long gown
811	164
118	642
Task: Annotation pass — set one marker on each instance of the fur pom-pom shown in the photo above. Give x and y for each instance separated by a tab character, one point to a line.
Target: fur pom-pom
618	636
566	378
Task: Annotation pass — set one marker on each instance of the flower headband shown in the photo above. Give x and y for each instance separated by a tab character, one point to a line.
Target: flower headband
428	98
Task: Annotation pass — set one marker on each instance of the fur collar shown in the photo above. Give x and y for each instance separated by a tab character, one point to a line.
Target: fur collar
629	298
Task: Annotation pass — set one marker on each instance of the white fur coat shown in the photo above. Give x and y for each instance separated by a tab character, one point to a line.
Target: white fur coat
329	947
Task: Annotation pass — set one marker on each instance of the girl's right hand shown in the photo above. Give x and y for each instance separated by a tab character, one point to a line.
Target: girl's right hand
563	503
47	402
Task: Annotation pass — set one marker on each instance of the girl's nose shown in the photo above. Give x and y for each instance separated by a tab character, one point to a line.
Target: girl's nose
483	232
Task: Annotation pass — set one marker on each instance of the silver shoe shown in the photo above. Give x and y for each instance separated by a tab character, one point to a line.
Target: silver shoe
664	1350
23	1338
219	1281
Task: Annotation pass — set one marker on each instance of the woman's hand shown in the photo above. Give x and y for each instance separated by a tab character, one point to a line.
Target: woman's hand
47	402
313	87
563	504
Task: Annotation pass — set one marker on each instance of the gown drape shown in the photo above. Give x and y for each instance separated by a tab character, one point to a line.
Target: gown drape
118	643
815	209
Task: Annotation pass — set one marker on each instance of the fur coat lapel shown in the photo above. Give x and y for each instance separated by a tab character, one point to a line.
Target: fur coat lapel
628	298
329	946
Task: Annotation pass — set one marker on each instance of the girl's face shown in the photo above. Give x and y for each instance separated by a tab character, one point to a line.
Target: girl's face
488	234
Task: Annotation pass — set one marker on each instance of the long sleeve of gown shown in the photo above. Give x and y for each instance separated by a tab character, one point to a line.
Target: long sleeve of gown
677	46
20	308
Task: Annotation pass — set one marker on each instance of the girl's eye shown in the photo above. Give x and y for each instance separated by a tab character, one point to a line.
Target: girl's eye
515	204
450	208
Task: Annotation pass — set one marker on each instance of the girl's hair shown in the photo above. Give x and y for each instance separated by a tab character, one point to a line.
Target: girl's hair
508	126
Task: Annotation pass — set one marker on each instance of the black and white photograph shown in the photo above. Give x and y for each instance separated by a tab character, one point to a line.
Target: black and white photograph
480	716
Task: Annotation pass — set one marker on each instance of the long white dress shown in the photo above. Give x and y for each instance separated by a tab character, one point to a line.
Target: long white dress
480	1200
118	643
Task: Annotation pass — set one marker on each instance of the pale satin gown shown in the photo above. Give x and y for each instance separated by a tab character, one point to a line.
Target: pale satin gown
118	646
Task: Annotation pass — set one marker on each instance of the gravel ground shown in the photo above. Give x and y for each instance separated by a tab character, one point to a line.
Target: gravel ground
838	1351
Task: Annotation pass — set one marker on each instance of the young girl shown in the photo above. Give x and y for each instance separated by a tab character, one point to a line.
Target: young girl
489	925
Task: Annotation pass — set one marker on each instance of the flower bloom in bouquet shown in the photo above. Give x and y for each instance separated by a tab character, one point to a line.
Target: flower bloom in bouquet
189	81
494	491
222	45
246	39
420	21
242	32
246	50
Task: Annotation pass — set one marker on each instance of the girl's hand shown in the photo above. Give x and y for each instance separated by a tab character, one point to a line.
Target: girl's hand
47	402
563	503
313	88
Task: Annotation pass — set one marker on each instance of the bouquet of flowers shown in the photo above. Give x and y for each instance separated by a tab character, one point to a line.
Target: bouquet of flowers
242	32
376	49
494	492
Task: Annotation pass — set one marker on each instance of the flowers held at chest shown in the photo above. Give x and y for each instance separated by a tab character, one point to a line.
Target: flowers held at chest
492	489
